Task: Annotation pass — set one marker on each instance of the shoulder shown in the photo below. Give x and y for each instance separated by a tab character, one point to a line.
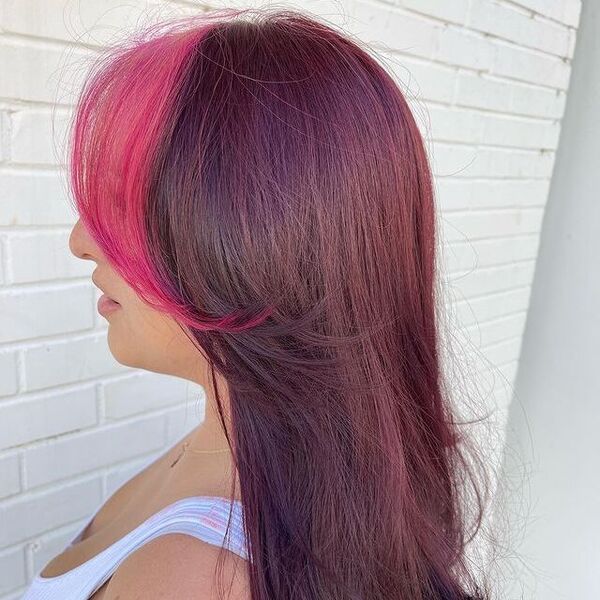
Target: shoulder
178	566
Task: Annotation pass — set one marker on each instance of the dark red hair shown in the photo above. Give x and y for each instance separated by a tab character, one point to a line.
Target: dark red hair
259	176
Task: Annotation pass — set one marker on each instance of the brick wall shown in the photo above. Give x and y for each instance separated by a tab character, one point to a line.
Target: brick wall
488	83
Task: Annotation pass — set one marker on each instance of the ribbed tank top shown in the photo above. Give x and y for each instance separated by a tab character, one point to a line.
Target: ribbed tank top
203	517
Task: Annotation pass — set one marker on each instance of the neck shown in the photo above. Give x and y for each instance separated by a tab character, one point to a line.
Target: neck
213	472
209	434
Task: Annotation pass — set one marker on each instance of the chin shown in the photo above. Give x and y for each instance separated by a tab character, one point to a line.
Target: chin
123	351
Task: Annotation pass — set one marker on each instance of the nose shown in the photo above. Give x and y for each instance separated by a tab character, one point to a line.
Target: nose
81	244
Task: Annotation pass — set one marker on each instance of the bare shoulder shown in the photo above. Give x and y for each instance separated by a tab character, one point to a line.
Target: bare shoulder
178	566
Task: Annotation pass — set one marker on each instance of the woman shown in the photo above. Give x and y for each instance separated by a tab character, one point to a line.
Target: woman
256	195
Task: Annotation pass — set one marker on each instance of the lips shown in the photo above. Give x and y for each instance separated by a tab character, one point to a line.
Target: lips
105	294
107	305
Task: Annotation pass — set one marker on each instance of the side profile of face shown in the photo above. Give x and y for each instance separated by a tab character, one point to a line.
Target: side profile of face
138	335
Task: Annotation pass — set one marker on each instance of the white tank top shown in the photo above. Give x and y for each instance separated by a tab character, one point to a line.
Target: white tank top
203	517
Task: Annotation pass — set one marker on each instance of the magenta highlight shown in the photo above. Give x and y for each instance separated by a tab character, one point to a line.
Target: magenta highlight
259	176
121	122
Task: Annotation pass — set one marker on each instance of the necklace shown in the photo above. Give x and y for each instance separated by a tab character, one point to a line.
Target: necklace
192	451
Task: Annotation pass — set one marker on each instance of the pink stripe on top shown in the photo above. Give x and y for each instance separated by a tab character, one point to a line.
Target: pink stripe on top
203	517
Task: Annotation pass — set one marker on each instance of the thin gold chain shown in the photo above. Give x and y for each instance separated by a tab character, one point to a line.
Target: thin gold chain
187	444
192	451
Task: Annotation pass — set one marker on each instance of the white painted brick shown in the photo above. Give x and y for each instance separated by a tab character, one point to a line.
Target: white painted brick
122	473
48	545
8	373
34	198
91	23
549	103
12	568
39	256
463	48
527	65
26	313
384	26
181	420
335	11
572	40
4	136
465	256
489	224
482	91
487	359
493	279
16	595
39	136
460	194
450	12
509	370
465	161
10	475
74	454
2	263
69	361
27	419
503	351
505	22
484	334
28	516
39	72
140	392
564	11
468	126
486	308
572	12
422	80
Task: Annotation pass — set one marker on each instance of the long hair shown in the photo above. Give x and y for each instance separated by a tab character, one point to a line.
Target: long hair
259	176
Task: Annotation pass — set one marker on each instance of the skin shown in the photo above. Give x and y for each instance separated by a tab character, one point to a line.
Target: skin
141	337
172	565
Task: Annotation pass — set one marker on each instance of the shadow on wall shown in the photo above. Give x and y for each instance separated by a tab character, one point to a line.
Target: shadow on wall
553	447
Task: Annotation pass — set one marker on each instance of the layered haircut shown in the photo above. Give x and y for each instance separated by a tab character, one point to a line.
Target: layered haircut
258	175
